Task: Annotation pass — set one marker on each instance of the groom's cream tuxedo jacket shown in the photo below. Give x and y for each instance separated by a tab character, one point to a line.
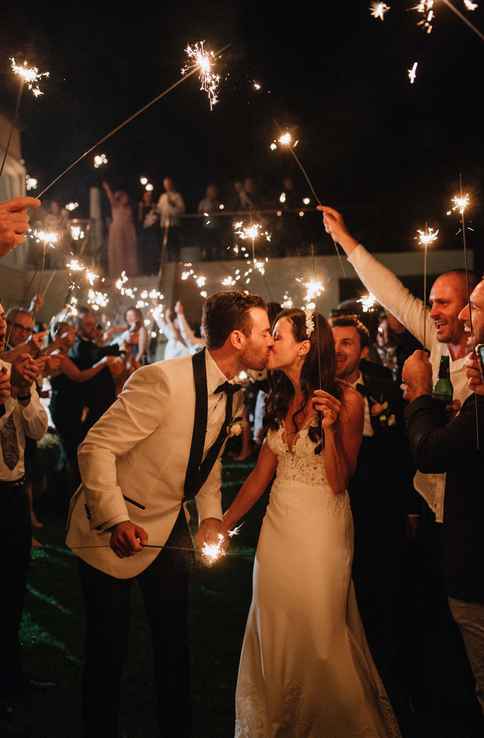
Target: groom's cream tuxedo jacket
133	463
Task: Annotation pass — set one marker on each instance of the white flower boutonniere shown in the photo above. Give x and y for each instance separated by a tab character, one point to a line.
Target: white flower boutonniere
236	427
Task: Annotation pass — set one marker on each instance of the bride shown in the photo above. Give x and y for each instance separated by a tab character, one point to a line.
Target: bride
305	669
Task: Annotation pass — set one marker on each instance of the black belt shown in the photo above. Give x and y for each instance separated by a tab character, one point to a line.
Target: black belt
14	483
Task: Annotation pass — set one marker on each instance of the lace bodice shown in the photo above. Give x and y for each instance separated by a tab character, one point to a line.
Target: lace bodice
298	463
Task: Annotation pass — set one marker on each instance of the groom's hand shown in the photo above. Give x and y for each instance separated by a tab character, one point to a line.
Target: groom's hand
127	539
210	531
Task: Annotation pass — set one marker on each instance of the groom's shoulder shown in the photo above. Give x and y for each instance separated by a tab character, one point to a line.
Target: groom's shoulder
165	371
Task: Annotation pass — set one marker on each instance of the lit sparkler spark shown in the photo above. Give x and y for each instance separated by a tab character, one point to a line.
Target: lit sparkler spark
97	299
119	284
257	86
204	294
459	203
200	281
212	552
282	197
228	282
378	10
143	181
470	5
91	277
30	183
412	72
77	234
273	146
427	237
48	238
306	200
204	61
253	231
100	160
72	206
314	288
29	75
367	302
75	265
426	9
287	301
149	187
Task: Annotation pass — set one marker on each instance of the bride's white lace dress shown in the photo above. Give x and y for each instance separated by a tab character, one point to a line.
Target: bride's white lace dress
305	669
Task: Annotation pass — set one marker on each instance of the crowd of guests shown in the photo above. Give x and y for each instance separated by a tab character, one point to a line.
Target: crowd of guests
415	495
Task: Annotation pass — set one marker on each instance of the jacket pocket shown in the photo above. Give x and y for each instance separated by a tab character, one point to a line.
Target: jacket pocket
133	502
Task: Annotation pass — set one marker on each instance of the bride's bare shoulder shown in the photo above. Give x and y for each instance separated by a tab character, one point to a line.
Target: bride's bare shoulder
350	398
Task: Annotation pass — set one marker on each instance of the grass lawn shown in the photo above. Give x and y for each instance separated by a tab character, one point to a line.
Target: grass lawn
52	634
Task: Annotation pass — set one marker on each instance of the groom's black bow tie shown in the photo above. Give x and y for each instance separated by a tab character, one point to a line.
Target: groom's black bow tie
228	388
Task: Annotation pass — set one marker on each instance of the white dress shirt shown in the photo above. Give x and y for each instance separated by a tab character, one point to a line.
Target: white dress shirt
30	421
412	313
367	426
170	206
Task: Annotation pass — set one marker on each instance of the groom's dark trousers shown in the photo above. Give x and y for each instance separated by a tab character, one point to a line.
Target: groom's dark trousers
164	587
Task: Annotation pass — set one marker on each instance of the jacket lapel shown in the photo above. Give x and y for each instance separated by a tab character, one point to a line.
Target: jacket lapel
199	424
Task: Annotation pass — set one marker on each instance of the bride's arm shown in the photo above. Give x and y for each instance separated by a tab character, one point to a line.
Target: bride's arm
253	487
343	431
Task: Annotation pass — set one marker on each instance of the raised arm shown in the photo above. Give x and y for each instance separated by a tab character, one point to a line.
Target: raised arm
107	189
186	331
343	431
380	281
253	487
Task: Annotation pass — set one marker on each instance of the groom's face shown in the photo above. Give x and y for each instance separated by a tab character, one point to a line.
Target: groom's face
257	345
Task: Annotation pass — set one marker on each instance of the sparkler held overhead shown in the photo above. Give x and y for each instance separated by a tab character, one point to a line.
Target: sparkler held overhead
426	238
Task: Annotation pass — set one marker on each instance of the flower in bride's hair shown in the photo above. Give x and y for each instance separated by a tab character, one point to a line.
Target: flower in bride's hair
309	321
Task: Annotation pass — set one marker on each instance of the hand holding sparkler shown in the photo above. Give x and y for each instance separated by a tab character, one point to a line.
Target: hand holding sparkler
334	225
211	539
328	406
14	222
127	538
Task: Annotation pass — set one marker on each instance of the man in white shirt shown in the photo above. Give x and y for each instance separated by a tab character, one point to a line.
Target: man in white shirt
158	446
170	206
21	416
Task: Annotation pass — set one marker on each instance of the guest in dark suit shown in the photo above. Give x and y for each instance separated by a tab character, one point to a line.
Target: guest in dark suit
453	445
98	393
380	493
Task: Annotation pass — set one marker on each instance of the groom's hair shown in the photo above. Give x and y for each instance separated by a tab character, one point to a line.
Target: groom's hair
225	312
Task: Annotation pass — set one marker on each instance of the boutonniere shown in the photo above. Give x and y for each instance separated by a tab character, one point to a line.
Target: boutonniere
379	410
235	427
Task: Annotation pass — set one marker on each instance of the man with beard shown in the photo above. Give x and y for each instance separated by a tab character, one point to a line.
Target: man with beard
380	493
455	447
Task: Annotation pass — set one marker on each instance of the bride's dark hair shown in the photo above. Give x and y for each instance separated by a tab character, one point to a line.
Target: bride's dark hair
318	372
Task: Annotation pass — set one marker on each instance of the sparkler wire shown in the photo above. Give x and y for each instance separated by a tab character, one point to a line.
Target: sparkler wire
126	122
464	19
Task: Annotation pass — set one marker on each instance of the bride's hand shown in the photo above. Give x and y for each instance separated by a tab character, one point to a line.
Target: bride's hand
329	407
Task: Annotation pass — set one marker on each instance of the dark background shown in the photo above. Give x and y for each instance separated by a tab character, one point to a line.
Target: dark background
386	152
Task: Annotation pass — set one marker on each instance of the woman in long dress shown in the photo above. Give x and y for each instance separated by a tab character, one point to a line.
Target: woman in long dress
305	669
122	243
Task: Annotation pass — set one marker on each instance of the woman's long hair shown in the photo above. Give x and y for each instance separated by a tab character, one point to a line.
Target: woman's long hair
318	372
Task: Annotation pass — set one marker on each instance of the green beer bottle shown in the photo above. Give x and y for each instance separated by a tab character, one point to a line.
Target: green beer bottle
443	389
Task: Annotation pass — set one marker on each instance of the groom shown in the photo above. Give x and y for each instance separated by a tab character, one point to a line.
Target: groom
157	446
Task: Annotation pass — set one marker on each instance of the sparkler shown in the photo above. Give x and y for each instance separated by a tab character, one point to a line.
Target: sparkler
367	302
203	61
378	10
27	76
149	187
30	183
71	206
100	160
143	181
212	552
412	72
426	238
127	121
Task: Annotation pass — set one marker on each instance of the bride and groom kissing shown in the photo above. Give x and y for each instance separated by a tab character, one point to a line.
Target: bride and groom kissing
305	668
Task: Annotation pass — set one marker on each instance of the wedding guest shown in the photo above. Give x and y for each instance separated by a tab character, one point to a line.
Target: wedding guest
67	399
192	342
14	222
149	234
122	245
380	499
21	416
98	393
134	338
170	207
175	346
444	337
453	447
212	230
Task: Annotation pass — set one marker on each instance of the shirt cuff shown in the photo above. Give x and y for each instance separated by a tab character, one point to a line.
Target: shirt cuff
112	521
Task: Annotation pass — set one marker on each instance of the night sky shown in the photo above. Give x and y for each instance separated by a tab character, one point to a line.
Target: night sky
385	151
